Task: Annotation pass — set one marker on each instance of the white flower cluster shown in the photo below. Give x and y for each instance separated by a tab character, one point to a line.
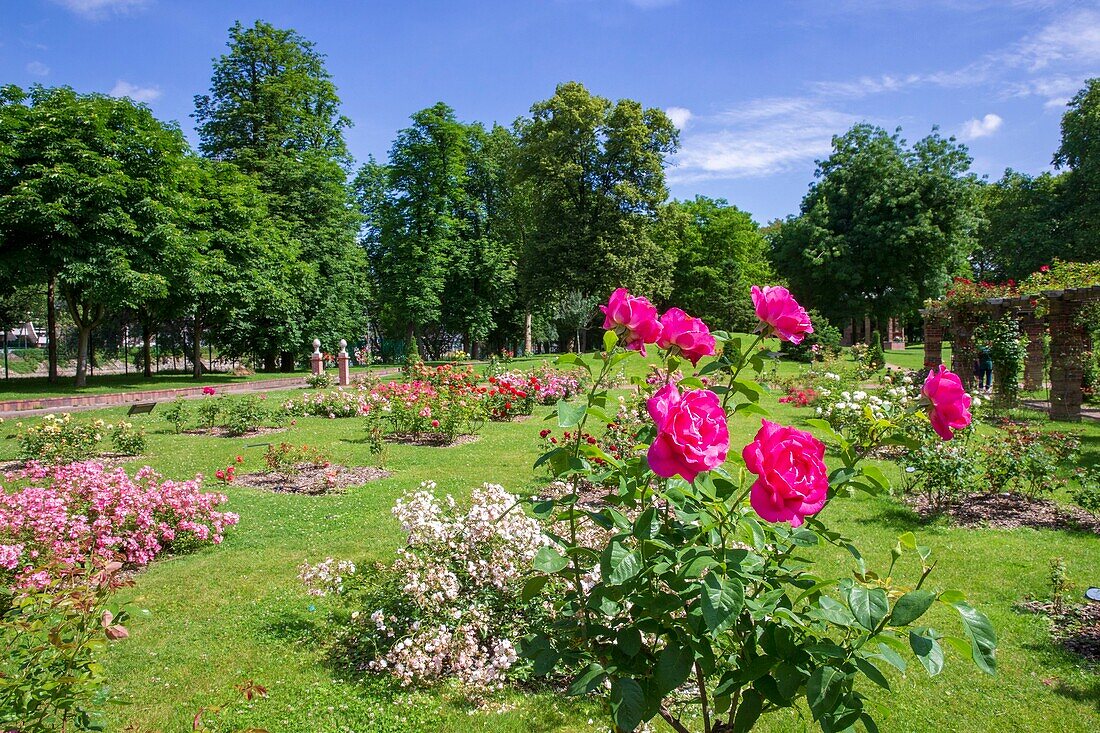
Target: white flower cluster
852	407
457	570
326	577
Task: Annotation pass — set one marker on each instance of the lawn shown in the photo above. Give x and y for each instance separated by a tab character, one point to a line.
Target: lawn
211	619
912	357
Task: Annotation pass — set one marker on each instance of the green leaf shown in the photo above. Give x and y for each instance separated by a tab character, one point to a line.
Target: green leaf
869	605
620	564
911	607
646	526
748	712
887	654
610	340
569	414
573	360
835	612
673	667
588	680
629	641
823	689
928	650
750	408
533	587
980	633
627	703
876	475
873	673
722	600
548	560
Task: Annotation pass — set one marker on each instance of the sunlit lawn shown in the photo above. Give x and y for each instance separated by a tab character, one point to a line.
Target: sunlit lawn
216	617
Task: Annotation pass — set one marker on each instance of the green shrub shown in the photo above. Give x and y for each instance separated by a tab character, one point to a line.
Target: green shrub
209	409
245	415
128	440
51	678
319	381
822	344
876	359
61	440
177	413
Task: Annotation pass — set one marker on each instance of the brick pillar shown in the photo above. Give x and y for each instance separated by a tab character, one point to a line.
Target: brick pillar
342	362
1035	361
963	352
316	361
933	341
847	339
1069	342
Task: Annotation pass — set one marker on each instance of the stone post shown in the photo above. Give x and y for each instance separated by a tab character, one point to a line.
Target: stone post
1069	342
316	361
1035	330
846	337
342	359
933	339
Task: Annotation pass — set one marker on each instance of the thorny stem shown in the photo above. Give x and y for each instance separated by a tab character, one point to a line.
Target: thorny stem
742	362
703	696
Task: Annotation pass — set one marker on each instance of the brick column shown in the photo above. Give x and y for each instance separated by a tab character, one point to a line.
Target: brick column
1034	363
343	368
963	352
933	340
1069	342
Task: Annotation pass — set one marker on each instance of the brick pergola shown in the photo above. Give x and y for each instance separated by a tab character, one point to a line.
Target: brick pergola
1070	341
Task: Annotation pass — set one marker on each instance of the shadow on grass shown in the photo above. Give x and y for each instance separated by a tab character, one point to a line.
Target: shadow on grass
899	517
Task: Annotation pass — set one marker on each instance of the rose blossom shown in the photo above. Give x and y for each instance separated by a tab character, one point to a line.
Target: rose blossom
950	404
692	435
792	481
776	307
690	335
633	319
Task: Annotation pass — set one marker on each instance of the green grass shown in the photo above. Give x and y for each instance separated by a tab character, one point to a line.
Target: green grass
211	619
912	357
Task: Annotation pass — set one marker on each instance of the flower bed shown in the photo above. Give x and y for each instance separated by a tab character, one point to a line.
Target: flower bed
67	514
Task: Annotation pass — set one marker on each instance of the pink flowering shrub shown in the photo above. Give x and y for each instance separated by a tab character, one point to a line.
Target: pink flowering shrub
780	313
451	604
67	514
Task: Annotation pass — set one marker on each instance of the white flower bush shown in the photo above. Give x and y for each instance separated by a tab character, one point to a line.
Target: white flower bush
451	603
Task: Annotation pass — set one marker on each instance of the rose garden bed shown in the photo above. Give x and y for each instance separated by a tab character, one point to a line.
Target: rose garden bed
1076	627
312	480
1010	510
434	440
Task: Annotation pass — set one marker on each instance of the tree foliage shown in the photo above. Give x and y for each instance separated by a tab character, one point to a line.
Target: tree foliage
882	228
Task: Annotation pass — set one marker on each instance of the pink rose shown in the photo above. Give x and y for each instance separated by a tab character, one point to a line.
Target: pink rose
692	435
777	308
690	335
633	319
950	404
792	481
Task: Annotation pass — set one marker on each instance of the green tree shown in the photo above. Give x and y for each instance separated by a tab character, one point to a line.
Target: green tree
1020	230
720	254
595	171
273	110
883	227
89	196
418	220
1079	152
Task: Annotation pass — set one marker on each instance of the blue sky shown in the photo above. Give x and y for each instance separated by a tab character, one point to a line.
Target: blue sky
758	88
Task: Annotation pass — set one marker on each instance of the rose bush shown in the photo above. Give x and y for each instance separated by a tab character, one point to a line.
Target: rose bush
700	600
949	403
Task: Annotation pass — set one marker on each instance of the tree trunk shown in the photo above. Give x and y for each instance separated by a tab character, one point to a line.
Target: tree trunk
527	332
83	337
146	349
269	361
51	326
287	364
196	348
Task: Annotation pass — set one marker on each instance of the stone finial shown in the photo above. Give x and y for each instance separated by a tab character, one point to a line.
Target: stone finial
316	347
343	346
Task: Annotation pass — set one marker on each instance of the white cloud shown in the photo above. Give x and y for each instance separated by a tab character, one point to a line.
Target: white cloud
1072	38
680	116
100	8
133	91
974	129
38	68
760	138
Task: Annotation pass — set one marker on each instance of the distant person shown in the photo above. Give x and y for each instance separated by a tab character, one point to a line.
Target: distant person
984	372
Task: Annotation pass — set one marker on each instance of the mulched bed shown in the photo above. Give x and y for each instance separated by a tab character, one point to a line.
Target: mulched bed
109	461
1076	627
1010	510
311	480
223	433
434	440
